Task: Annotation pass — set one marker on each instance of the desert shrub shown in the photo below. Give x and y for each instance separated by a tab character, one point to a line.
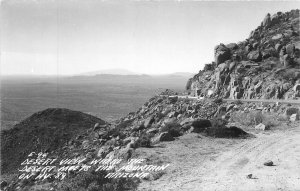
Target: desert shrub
173	128
226	132
287	75
143	141
200	125
218	123
270	120
114	132
247	119
282	118
254	118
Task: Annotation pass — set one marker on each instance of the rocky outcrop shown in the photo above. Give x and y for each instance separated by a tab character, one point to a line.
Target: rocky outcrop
264	66
222	53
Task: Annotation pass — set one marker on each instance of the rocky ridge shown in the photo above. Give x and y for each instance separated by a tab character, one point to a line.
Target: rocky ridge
264	66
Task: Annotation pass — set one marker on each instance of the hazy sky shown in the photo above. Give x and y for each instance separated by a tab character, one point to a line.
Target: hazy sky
76	36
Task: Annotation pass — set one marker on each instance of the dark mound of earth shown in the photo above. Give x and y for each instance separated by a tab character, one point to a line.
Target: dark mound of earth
226	132
44	131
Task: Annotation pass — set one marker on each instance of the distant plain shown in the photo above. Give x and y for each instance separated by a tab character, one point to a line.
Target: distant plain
108	97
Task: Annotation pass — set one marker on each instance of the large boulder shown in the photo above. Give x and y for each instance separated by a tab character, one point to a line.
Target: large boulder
231	66
222	53
232	46
267	21
287	60
165	136
290	49
255	56
294	117
296	88
278	47
248	48
148	122
260	127
222	67
277	37
275	19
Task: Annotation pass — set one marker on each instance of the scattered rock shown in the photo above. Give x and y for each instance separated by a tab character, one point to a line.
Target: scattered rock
165	136
290	49
278	47
96	126
103	151
294	117
287	61
260	127
255	56
125	153
152	130
277	37
148	122
3	184
85	144
269	163
229	107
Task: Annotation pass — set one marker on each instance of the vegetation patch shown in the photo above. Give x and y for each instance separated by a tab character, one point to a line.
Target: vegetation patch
226	132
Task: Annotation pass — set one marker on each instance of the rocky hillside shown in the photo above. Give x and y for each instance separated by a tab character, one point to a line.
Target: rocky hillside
264	66
63	133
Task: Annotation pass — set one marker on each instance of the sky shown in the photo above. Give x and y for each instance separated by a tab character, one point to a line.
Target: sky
65	37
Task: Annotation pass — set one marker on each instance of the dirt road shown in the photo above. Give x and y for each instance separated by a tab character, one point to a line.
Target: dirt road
290	101
201	163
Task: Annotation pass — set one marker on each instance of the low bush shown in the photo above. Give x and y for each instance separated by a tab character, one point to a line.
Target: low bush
144	141
173	128
248	119
254	118
200	125
226	132
218	123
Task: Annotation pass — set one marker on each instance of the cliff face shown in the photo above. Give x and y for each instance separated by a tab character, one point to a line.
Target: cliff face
264	66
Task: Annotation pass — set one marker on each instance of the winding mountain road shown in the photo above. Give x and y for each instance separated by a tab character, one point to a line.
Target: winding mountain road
242	100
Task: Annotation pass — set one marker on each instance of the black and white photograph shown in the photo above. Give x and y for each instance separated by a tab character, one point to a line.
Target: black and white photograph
149	95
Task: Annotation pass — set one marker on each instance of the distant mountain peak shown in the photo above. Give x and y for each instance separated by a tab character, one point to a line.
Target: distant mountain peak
114	71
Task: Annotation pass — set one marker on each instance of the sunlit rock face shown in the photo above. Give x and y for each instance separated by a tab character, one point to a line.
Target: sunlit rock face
264	66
